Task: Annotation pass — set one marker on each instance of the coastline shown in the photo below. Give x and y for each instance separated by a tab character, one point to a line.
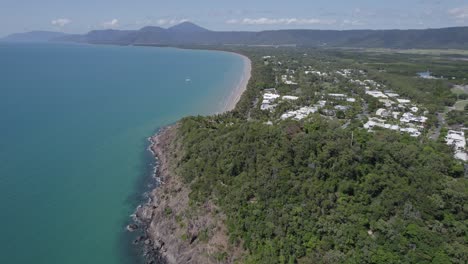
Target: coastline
161	233
240	88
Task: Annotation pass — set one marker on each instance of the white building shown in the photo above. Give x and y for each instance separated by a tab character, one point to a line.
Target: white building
403	101
458	141
299	114
376	94
410	118
392	94
375	122
382	112
322	74
338	96
290	97
412	131
341	107
268	99
387	102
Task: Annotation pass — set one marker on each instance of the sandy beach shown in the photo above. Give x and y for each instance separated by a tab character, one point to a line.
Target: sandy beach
241	86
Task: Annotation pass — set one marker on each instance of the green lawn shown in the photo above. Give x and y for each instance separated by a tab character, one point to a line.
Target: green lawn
460	105
458	90
422	51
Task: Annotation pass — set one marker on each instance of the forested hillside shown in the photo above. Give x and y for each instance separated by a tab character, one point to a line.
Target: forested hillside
191	34
318	191
314	193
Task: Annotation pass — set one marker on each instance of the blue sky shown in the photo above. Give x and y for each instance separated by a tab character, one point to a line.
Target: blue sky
84	15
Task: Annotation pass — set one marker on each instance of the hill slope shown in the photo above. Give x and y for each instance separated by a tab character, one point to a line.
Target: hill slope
190	34
34	36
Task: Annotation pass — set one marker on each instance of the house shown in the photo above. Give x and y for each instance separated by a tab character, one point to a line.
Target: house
338	96
410	118
341	107
412	131
458	141
382	112
322	103
268	99
270	96
396	114
267	106
299	114
387	102
290	97
403	101
285	79
376	94
375	122
316	73
389	94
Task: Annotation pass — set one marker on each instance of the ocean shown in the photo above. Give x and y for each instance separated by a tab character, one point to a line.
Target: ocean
73	126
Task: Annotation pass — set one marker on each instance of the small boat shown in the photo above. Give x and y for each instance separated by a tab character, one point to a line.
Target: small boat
188	80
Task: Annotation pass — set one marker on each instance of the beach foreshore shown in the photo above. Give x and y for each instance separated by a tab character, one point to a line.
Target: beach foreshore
241	86
167	233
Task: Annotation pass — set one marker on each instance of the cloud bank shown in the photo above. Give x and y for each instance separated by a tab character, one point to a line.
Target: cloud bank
460	13
281	21
111	24
164	21
60	22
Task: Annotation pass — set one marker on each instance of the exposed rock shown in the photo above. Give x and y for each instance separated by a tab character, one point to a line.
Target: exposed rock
171	235
132	227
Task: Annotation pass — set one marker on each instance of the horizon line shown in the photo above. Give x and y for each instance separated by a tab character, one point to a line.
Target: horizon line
263	30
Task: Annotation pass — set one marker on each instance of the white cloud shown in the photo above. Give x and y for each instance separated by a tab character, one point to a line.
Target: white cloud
161	22
232	21
281	21
459	13
111	24
349	22
169	21
60	22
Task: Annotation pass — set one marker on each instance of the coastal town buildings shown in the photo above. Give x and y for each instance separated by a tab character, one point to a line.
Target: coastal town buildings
458	141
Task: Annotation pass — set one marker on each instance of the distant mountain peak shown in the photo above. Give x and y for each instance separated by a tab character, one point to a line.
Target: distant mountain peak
187	27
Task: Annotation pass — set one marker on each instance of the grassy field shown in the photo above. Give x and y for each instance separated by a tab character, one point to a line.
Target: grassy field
459	90
460	105
436	52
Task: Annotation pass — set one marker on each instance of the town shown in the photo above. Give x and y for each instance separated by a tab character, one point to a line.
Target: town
349	95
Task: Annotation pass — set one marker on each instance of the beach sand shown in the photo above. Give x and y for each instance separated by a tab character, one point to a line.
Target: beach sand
241	86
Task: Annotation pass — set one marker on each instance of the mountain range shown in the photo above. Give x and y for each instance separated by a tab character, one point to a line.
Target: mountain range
34	36
188	33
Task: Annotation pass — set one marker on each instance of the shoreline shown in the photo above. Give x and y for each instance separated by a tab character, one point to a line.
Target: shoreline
156	232
241	86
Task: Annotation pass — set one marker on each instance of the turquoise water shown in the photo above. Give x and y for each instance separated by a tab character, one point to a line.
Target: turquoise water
73	124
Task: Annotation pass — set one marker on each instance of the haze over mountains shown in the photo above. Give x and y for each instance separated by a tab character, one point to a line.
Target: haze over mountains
188	33
34	36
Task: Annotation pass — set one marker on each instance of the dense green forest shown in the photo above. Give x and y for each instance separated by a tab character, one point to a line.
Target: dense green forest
315	192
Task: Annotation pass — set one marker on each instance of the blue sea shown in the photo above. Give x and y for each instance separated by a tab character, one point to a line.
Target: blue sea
73	126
